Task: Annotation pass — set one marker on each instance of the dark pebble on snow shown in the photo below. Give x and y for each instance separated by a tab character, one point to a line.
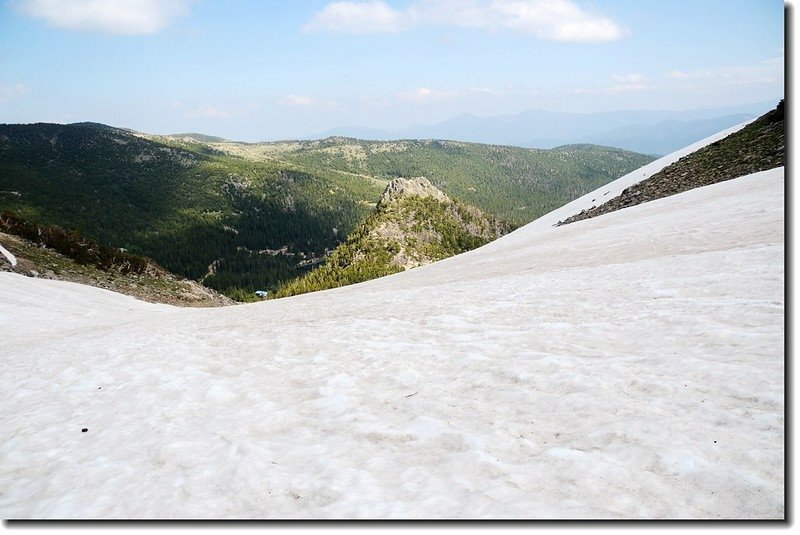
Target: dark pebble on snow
84	429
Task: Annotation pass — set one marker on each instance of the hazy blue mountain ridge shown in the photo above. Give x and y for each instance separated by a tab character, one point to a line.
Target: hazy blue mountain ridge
656	132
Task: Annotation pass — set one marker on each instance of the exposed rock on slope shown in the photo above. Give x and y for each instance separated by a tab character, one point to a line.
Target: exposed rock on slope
759	146
427	225
414	224
408	187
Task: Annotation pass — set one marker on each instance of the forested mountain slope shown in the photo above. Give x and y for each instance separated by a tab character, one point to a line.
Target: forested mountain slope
229	222
514	183
241	217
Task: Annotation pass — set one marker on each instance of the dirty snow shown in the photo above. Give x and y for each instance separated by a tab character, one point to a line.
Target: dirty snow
627	366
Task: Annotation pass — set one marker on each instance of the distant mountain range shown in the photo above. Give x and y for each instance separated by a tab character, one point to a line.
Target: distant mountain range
655	132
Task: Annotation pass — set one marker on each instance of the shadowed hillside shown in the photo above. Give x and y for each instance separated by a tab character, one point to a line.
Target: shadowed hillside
51	252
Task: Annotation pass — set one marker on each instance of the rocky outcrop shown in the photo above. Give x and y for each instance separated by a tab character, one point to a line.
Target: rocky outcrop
421	222
411	187
414	224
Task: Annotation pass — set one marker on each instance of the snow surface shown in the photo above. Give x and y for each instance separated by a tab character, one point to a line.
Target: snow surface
630	365
10	257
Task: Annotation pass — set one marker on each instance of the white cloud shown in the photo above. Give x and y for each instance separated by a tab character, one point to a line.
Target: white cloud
12	91
423	94
123	17
556	20
297	100
206	112
358	17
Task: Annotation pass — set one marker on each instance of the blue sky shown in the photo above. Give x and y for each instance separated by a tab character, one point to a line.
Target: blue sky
261	70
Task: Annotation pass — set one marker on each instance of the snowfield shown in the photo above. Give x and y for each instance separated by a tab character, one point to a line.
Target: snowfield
626	366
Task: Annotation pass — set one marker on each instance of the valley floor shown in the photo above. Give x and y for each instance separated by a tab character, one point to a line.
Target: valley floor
627	366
